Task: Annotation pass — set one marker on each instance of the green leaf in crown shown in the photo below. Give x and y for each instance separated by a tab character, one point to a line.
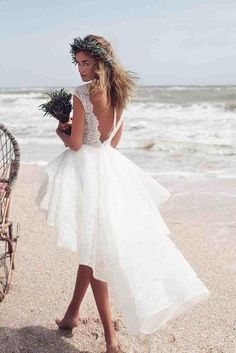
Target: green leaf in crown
94	48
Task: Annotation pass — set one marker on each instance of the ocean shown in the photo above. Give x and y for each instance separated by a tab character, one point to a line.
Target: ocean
183	131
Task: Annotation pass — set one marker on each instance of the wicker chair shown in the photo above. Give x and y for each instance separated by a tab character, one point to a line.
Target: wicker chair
9	166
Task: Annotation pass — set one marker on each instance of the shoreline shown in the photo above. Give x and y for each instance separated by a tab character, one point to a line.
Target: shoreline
186	176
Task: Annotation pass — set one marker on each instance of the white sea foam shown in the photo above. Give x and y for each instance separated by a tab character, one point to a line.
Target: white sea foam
40	163
180	128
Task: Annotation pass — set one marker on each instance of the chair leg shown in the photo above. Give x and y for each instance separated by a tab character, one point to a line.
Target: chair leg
14	240
13	243
7	236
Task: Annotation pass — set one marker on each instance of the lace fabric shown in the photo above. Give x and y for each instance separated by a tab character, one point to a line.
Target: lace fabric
92	135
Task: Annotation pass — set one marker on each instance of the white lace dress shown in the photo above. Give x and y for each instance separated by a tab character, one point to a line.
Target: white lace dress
105	209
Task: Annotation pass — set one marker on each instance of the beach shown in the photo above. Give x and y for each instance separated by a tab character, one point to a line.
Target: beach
201	217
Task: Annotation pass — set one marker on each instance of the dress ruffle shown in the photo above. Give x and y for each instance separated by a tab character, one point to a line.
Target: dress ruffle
105	209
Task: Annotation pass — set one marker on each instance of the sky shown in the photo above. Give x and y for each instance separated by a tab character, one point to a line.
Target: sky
165	42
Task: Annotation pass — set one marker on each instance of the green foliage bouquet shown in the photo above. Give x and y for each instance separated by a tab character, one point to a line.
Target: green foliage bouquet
59	106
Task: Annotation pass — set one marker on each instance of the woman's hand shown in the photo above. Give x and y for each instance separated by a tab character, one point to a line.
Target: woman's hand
64	126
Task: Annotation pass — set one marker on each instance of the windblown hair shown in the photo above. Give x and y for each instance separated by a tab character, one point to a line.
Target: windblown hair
118	82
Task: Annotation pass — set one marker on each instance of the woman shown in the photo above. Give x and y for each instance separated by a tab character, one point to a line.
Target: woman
105	208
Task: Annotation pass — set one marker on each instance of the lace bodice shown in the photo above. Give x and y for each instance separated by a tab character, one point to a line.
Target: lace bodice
92	134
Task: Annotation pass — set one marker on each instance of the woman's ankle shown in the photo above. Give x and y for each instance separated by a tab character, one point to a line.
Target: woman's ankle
110	337
73	309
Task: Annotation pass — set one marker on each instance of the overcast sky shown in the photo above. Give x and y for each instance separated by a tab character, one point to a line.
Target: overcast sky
165	42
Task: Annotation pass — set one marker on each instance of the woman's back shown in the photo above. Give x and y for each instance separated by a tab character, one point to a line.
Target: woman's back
103	123
105	114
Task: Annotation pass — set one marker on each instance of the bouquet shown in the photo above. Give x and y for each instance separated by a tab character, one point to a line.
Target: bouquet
59	106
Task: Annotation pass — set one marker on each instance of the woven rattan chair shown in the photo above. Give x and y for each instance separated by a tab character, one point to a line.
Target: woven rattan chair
9	166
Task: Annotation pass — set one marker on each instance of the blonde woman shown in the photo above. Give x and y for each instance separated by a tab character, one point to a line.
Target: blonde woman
105	208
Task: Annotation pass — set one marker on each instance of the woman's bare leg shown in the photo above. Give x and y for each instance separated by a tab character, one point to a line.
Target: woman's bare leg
100	292
71	317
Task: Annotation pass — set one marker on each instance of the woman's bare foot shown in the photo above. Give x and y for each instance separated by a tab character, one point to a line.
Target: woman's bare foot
114	348
112	342
69	321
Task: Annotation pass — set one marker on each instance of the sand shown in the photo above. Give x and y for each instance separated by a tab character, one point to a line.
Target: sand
201	217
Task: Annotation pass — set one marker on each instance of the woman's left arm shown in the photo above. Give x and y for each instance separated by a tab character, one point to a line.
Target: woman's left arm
74	140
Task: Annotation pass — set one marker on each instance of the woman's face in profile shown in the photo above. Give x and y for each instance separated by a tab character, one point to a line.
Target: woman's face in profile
86	65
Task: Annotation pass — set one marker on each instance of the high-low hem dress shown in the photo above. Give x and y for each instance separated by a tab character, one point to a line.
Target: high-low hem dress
105	208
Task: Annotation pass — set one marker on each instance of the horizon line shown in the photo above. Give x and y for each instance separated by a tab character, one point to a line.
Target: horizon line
138	85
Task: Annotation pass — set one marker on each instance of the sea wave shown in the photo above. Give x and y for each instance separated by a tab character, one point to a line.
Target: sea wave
181	125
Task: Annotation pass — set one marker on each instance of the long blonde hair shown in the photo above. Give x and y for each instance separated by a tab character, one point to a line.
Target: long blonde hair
118	82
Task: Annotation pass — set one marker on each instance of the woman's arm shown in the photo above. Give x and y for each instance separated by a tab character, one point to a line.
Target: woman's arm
74	140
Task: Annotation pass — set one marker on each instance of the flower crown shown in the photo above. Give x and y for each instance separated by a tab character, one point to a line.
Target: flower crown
94	48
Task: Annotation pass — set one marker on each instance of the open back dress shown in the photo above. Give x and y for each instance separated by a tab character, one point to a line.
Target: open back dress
105	208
